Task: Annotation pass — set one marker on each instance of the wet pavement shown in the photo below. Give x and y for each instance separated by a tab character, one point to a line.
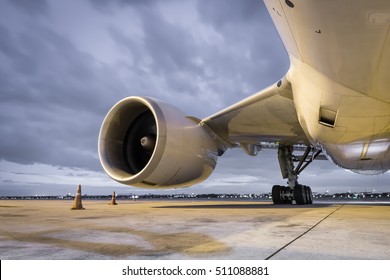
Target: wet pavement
165	230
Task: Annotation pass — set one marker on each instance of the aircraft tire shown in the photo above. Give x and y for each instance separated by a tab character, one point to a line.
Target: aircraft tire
306	194
286	199
276	194
300	195
310	196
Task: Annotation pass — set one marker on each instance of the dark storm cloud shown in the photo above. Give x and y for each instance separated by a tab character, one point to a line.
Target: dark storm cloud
225	67
227	13
36	7
248	27
170	46
248	34
104	3
52	99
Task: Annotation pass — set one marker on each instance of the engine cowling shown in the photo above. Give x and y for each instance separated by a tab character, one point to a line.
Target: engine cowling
147	143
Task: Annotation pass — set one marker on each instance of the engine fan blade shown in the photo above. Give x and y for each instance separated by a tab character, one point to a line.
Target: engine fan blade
140	141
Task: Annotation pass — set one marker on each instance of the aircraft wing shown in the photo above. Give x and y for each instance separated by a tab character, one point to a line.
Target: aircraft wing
267	116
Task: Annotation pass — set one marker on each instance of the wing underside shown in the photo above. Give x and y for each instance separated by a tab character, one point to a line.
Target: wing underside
267	116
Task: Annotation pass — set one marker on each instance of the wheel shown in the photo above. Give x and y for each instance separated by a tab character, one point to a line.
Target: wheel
310	201
306	194
276	194
300	195
286	197
309	195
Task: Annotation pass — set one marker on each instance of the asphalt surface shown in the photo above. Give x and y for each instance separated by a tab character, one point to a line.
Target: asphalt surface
166	230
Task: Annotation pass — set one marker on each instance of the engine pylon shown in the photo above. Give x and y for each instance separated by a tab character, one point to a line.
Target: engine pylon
77	204
113	201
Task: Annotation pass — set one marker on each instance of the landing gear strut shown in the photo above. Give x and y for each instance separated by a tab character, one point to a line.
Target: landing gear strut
294	191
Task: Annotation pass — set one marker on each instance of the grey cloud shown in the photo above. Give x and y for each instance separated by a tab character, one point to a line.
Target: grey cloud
36	7
227	13
6	46
248	27
167	52
12	54
54	98
103	4
227	74
172	47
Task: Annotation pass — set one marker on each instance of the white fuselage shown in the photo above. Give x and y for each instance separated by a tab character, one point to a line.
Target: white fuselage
340	76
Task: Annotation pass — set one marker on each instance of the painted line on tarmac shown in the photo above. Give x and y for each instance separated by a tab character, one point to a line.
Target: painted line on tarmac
292	241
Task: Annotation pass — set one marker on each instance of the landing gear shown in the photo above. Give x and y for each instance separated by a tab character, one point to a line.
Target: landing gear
294	191
281	195
303	195
285	195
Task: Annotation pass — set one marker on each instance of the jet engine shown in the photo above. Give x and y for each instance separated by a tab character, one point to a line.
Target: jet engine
147	143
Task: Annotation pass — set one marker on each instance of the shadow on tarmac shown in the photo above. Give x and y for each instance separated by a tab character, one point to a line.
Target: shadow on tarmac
246	206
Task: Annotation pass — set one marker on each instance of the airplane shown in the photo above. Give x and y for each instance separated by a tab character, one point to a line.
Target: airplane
334	99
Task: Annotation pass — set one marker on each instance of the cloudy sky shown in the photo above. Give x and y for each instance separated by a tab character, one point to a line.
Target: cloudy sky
63	64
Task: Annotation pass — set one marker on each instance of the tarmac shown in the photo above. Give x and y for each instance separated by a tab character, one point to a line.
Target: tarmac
185	230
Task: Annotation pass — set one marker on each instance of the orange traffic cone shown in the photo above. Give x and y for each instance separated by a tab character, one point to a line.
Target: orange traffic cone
113	201
77	205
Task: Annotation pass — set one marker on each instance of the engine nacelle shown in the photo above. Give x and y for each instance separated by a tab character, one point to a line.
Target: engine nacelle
148	143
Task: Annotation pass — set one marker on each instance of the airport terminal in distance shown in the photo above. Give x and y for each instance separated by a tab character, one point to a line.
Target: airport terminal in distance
339	196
